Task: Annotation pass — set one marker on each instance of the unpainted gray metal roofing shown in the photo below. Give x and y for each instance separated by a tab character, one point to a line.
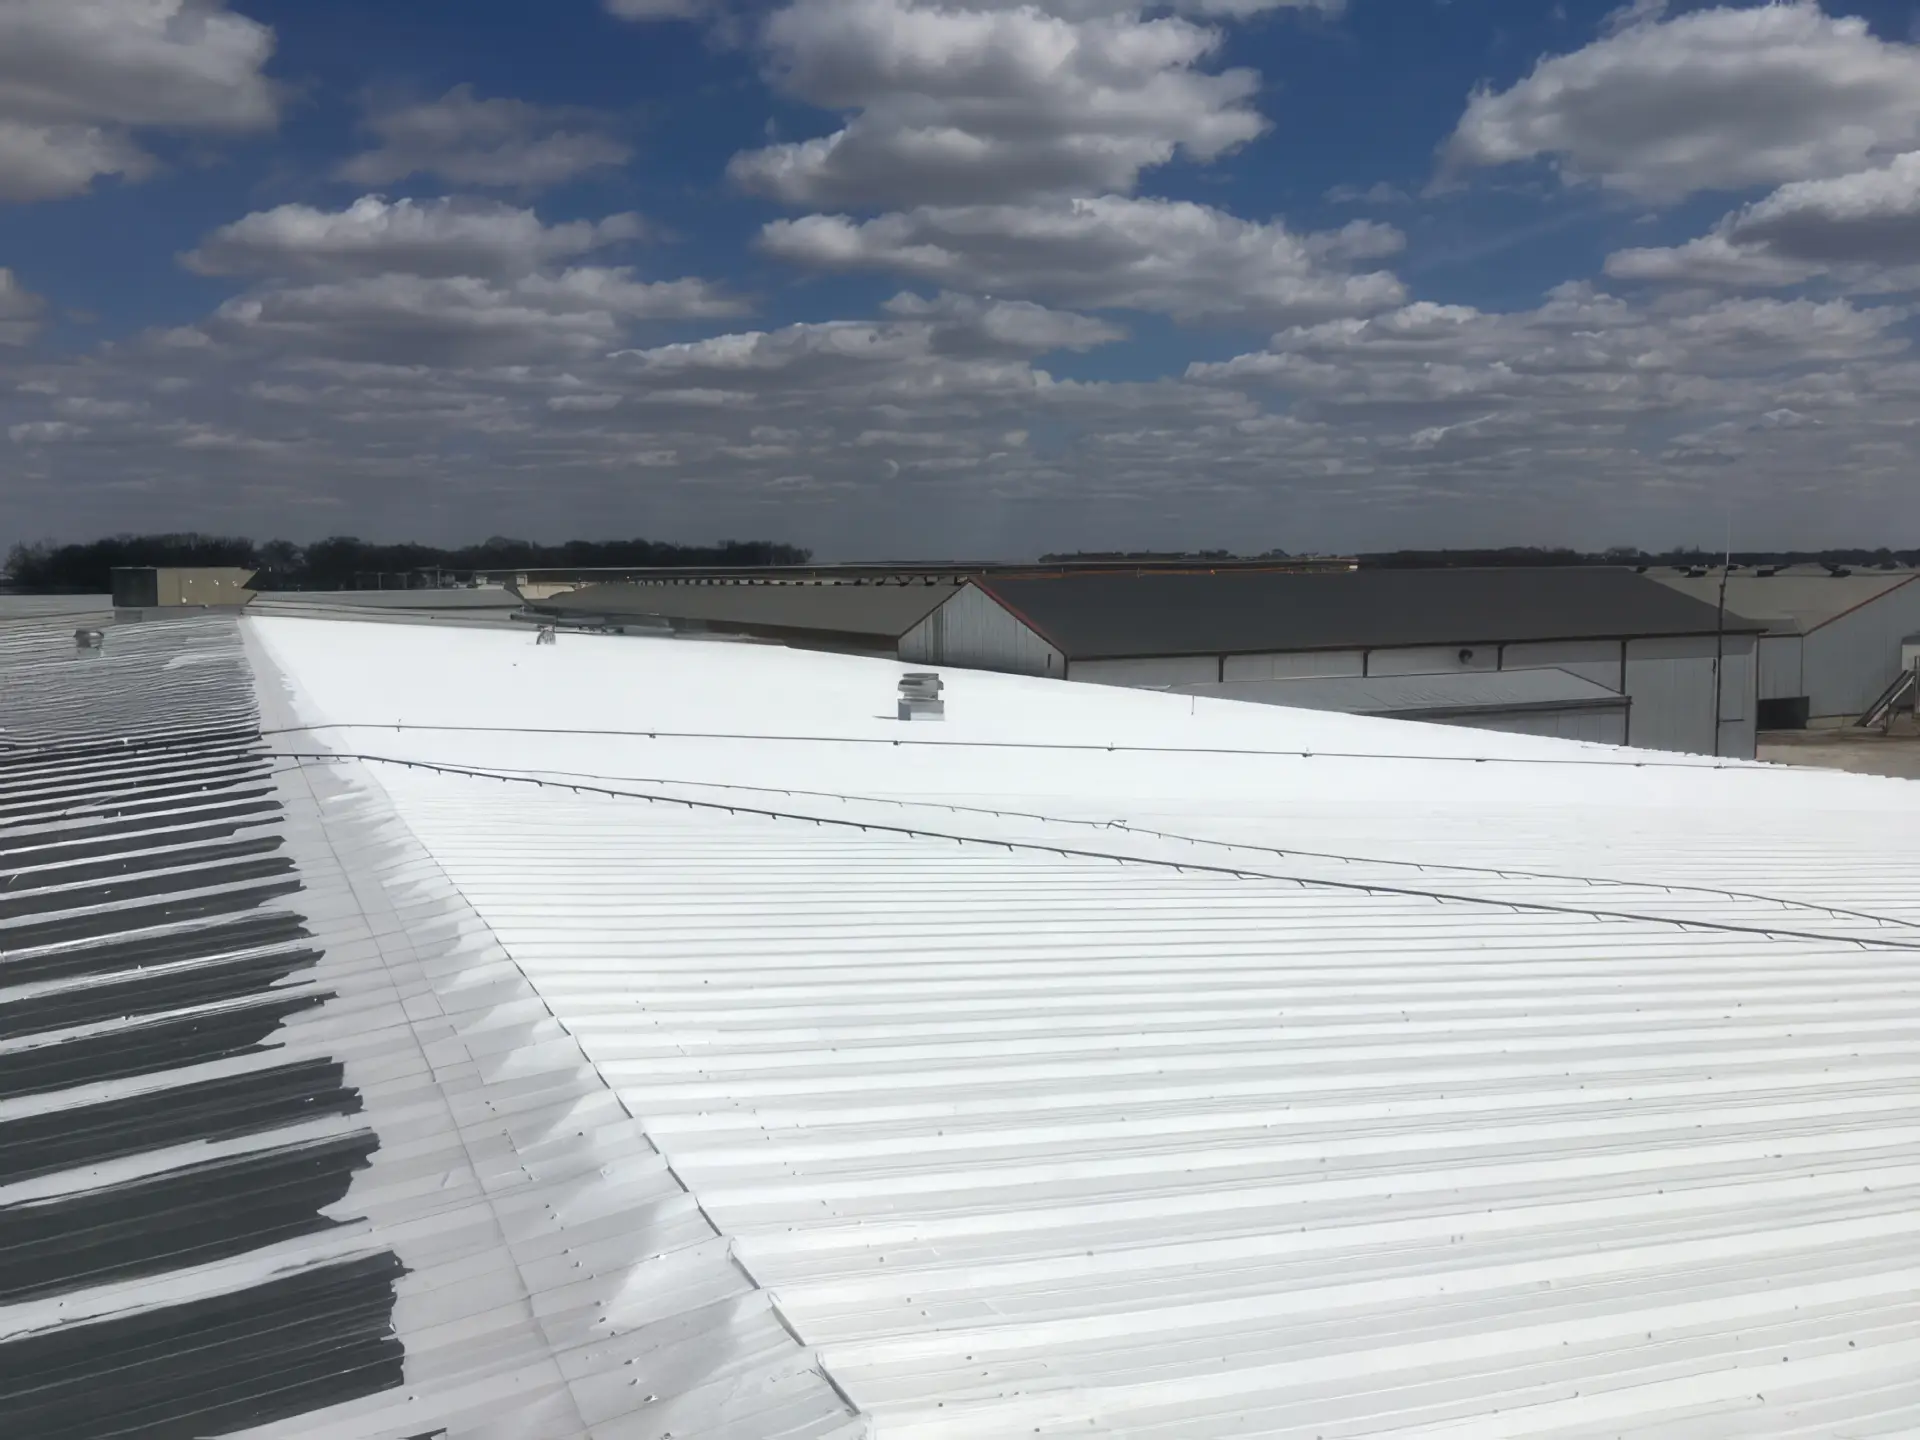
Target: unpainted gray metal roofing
288	1145
1110	617
51	607
877	613
1456	693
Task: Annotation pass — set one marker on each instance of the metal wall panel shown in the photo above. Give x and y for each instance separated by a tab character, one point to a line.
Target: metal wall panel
1848	662
1739	706
1433	659
1294	665
1780	667
1166	670
1604	727
1602	661
1671	684
975	631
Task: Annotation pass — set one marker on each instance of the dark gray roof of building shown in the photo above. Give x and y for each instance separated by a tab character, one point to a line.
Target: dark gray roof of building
876	614
1100	617
1455	693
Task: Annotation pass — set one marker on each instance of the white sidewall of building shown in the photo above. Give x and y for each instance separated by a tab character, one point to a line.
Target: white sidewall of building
1600	661
1670	681
1433	660
1605	727
1295	665
1780	677
1166	670
1847	662
976	632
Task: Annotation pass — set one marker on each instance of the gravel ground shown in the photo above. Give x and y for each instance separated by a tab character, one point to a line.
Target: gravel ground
1866	752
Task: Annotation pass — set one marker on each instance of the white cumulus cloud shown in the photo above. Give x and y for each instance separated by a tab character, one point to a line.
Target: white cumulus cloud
956	104
1862	230
1174	257
1716	99
417	237
79	79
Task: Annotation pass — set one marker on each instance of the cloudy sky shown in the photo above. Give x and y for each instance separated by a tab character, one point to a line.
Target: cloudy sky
969	277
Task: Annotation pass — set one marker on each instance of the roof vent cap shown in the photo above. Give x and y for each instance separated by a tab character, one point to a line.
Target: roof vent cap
920	696
88	642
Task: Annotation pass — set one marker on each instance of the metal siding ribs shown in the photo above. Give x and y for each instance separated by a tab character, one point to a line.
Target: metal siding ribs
149	931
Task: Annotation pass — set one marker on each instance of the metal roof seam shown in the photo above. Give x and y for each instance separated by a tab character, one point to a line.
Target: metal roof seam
1370	888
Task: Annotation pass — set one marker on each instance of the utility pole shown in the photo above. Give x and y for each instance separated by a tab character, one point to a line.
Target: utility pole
1720	636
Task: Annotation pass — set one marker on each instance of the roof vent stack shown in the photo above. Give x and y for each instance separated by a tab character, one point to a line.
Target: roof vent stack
920	696
546	635
87	643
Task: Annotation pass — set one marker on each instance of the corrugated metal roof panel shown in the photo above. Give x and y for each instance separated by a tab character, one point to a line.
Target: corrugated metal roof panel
287	1144
1091	617
875	613
1203	1075
1462	693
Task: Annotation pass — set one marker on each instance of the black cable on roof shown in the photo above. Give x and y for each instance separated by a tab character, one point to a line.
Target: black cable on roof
1503	872
1077	853
1111	748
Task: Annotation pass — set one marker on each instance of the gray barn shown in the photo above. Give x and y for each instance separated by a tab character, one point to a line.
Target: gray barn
1831	641
1643	640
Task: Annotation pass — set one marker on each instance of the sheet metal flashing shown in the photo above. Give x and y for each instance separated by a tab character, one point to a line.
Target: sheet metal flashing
1115	617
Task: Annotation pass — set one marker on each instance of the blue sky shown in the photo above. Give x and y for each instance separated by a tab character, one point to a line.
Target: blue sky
888	275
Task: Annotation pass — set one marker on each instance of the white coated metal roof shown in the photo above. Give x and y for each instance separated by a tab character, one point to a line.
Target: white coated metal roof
1107	1062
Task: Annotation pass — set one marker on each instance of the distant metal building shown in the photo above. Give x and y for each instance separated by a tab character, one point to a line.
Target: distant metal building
173	587
866	618
1832	638
1516	702
542	582
1661	649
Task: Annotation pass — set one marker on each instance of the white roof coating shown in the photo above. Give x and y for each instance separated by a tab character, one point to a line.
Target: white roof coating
1107	1062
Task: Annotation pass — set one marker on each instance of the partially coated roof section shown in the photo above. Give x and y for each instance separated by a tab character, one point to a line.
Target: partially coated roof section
1414	696
1793	601
854	613
1101	617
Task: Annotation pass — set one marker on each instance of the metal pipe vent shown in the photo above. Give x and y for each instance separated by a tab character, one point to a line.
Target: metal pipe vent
88	642
920	696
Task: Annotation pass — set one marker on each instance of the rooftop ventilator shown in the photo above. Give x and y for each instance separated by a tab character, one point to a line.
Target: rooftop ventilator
920	696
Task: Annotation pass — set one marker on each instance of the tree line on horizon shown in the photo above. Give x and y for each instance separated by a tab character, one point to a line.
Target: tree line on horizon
344	562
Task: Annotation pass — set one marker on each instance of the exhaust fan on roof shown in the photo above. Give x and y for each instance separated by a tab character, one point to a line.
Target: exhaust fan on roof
920	696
